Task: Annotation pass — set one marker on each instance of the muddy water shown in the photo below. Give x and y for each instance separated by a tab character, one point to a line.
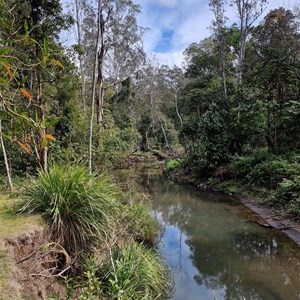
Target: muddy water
215	247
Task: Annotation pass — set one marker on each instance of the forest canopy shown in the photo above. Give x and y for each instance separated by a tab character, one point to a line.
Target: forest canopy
101	99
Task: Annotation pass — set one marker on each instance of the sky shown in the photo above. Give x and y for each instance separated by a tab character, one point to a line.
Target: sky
175	24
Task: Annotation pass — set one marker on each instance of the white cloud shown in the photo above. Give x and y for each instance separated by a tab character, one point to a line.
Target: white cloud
193	29
170	58
188	19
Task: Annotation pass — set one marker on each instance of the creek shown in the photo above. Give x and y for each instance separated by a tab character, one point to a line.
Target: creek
215	247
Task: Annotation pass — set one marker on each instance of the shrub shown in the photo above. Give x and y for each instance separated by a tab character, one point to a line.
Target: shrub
173	164
287	196
115	144
135	272
92	287
243	165
268	173
264	170
75	204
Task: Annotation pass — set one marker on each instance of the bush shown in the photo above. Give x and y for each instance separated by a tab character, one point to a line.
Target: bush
173	164
269	173
135	272
75	204
115	144
243	165
264	169
287	196
92	287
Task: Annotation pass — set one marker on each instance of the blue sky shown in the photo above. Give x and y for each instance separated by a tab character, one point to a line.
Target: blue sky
175	24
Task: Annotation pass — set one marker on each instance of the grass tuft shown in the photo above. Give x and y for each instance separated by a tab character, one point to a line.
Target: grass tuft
75	204
136	272
142	227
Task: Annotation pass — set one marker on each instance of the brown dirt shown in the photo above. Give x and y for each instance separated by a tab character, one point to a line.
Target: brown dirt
28	263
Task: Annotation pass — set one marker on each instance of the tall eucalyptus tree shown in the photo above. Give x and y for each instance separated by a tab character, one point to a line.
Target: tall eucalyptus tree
219	29
118	52
248	12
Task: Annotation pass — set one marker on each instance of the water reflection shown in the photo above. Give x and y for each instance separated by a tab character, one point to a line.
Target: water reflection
213	246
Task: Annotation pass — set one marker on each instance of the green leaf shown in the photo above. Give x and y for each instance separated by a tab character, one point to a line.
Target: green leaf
43	124
4	51
46	48
45	59
58	63
26	26
44	143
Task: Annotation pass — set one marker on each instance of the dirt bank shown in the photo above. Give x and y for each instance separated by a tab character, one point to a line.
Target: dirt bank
30	263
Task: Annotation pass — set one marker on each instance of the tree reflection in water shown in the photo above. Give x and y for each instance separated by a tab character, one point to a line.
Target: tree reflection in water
212	246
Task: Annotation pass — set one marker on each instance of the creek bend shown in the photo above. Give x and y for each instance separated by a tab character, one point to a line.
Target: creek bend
214	246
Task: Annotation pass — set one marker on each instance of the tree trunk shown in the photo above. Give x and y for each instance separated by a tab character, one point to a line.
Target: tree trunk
101	55
80	56
43	149
165	135
5	159
100	102
94	88
176	107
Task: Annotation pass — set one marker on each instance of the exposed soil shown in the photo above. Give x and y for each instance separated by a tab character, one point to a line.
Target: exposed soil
31	267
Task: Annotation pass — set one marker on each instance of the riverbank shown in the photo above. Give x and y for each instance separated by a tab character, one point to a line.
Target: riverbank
271	218
15	234
40	258
215	246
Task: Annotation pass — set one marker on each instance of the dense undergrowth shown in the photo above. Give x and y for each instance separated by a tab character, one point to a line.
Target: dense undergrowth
103	234
274	178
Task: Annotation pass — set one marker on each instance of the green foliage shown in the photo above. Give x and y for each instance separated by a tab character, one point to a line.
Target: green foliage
115	144
173	164
142	227
85	287
280	176
243	165
230	186
92	286
135	272
211	147
287	196
130	271
75	204
264	169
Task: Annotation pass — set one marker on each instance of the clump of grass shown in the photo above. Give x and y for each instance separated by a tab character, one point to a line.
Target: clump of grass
141	225
75	204
135	272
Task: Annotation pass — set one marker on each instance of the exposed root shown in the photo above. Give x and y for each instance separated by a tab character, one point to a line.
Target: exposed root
48	260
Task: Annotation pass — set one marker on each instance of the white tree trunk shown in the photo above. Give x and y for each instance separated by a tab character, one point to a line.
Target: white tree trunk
5	159
94	88
79	42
